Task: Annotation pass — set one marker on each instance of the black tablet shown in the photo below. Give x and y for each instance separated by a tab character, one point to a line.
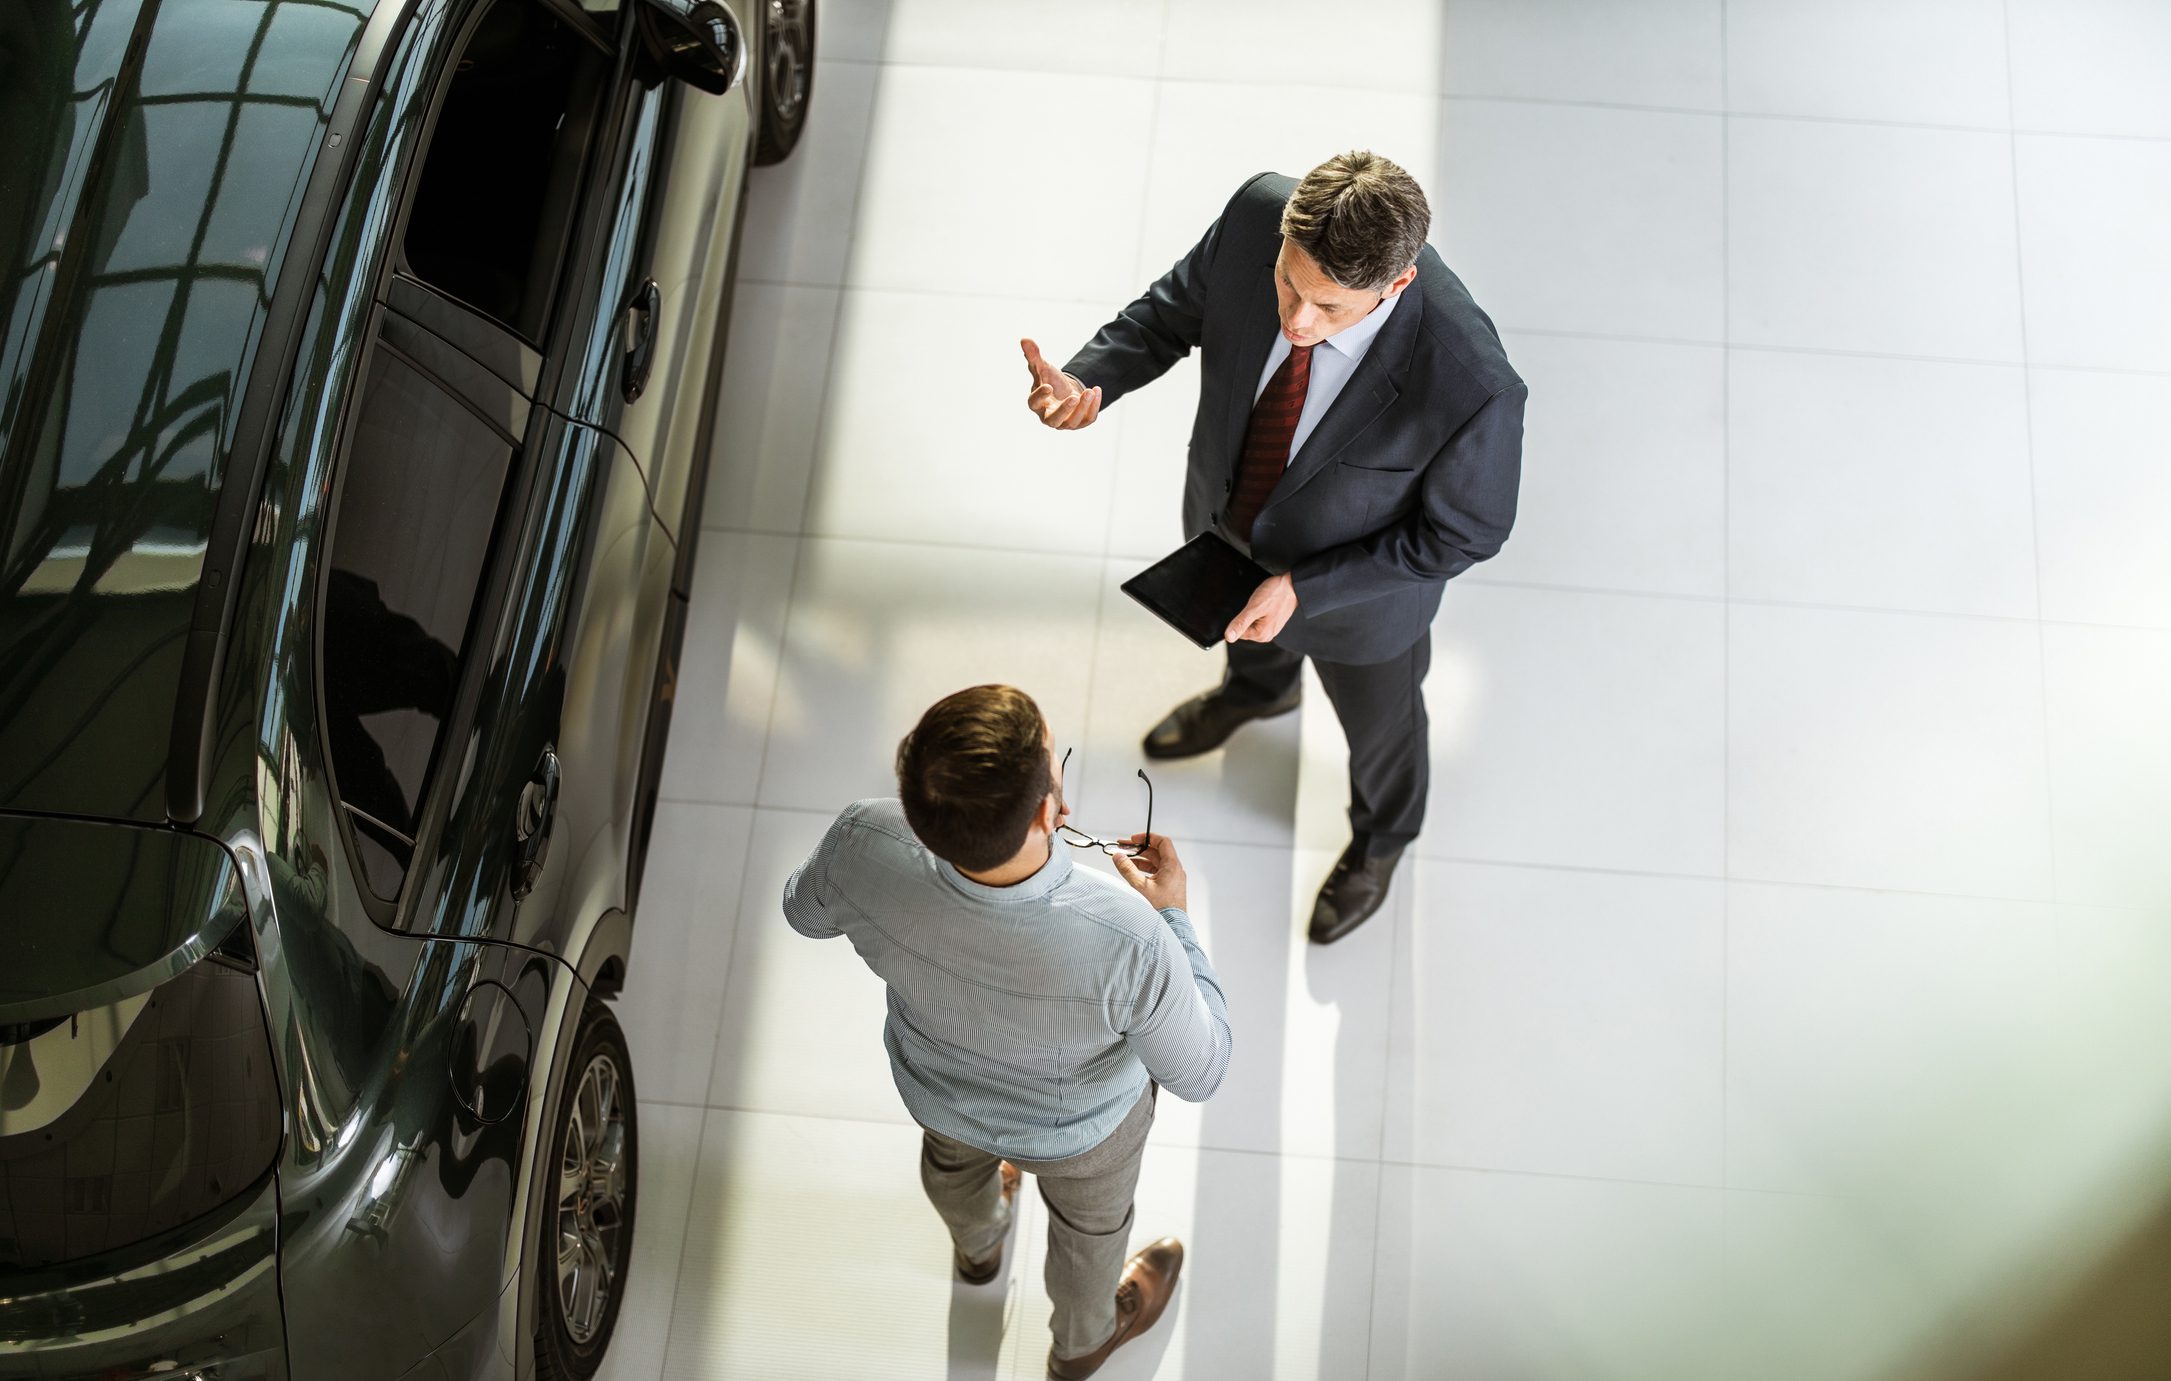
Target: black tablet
1199	587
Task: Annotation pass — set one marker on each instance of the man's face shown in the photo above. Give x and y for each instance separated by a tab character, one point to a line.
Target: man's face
1314	306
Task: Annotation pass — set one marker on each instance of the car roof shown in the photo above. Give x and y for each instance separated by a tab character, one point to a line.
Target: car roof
152	177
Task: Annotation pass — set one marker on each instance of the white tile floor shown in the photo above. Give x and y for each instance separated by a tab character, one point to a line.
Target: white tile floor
1780	988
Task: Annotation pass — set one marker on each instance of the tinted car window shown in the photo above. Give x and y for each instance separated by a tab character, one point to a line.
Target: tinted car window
492	211
424	477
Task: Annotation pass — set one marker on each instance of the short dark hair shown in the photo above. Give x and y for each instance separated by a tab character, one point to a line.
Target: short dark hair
1360	217
973	772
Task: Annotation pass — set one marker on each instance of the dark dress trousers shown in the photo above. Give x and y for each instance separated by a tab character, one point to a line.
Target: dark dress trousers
1408	480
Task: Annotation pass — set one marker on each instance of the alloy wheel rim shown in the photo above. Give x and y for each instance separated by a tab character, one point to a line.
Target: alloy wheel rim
591	1199
787	58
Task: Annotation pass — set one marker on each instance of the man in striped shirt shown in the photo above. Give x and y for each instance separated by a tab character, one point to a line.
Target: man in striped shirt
1034	1007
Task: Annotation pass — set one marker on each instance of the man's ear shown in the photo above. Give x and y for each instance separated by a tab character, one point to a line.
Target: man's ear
1402	280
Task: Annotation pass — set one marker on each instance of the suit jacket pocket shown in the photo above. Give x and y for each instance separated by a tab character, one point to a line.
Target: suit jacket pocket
1362	469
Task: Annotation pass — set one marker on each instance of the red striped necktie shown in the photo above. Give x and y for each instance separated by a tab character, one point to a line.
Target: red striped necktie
1266	440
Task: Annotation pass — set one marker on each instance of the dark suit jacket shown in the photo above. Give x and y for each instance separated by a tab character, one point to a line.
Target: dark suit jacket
1408	480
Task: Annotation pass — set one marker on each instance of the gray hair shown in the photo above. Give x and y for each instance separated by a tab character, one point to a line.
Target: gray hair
1361	217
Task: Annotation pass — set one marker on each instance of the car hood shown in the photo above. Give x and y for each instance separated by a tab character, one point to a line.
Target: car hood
150	179
92	912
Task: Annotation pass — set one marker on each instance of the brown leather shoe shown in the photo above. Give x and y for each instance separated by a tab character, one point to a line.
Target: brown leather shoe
1354	891
1204	722
1149	1278
981	1272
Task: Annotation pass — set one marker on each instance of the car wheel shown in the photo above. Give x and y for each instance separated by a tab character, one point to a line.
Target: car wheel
787	77
587	1242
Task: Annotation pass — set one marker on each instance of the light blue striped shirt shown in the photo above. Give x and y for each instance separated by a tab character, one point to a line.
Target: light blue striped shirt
1024	1020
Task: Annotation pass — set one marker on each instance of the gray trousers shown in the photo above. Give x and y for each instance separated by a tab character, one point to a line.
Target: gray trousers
1089	1217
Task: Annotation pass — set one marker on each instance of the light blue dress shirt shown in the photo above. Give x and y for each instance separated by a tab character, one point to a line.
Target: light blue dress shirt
1024	1020
1333	361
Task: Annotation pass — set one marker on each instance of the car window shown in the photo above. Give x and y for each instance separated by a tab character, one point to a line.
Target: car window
424	477
500	182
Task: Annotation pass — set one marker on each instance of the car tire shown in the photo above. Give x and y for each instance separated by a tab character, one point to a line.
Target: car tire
586	1242
787	77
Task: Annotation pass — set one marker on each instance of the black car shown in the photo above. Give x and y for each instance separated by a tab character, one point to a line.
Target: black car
358	362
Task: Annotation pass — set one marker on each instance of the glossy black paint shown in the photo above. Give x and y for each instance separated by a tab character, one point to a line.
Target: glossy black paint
160	1118
210	1290
139	240
100	912
419	1042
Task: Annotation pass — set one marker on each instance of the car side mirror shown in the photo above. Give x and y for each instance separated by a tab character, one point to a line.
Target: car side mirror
696	41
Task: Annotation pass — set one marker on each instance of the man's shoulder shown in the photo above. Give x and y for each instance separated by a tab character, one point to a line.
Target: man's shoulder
1460	336
1269	190
878	823
1110	904
1254	212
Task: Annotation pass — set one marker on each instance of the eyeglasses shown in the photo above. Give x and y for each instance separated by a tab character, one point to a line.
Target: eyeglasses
1079	839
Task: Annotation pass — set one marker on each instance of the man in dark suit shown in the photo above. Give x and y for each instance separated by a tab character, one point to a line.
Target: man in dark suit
1359	433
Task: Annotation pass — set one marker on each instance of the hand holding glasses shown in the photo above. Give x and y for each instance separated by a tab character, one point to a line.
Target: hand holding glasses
1079	839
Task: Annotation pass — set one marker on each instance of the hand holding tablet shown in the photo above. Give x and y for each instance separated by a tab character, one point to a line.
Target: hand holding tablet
1200	588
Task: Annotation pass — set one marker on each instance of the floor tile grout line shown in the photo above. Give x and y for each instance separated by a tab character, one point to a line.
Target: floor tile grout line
739	901
1723	878
1731	879
716	1035
1138	255
1726	617
2023	133
783	641
1475	579
1721	342
1161	76
1160	48
685	1245
1404	917
1379	1216
1092	667
947	294
936	544
1798	117
1308	1157
1725	342
2035	520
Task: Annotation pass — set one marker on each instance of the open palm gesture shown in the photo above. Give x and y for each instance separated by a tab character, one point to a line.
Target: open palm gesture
1057	399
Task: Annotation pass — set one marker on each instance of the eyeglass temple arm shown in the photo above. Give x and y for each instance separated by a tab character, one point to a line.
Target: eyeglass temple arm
1149	803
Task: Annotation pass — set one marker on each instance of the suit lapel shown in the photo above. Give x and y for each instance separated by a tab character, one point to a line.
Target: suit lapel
1370	391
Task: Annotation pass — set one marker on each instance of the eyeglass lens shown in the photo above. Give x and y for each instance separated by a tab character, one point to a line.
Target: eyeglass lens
1110	846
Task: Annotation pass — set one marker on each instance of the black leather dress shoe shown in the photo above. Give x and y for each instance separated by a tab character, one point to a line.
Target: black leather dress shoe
1354	890
1204	722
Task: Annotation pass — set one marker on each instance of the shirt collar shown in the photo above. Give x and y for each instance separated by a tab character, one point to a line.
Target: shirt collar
1352	343
1053	874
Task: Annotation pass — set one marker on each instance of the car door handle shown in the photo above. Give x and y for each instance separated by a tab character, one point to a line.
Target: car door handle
642	310
533	816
